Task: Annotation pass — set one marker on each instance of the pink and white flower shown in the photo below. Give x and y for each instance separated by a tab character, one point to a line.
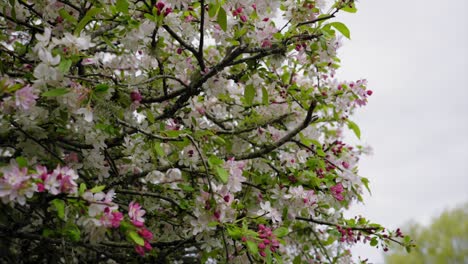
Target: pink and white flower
136	214
25	97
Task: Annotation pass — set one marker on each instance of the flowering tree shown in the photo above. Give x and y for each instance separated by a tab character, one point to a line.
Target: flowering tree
201	131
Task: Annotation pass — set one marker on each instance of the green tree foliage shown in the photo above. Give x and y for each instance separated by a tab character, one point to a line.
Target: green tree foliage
444	241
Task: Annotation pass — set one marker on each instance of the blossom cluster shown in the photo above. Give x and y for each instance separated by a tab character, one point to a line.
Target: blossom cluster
18	183
211	115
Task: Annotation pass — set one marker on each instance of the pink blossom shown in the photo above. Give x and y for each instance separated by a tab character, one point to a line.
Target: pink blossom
146	234
136	214
111	219
63	180
140	250
25	97
337	191
148	246
15	185
117	217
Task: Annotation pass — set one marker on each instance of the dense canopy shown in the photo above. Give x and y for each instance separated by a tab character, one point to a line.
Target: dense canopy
178	131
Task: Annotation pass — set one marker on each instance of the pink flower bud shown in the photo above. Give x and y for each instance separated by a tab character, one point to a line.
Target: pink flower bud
168	11
160	5
345	164
135	96
140	250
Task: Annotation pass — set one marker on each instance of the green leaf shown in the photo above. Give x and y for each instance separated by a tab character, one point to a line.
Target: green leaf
349	9
97	189
213	223
136	238
82	188
222	19
213	9
408	249
342	28
265	99
353	126
73	232
219	140
150	116
252	247
407	239
122	6
365	181
374	242
102	87
269	258
65	15
281	232
214	161
86	19
234	232
60	207
329	241
249	94
55	92
64	65
159	150
48	232
223	175
22	162
185	188
320	152
297	260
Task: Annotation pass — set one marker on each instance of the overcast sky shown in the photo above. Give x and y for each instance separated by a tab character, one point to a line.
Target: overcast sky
415	57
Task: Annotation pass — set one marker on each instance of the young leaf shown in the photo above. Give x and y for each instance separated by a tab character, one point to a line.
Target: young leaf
65	15
159	149
122	6
97	189
374	242
82	188
353	126
102	87
55	92
64	66
213	9
214	161
249	94
86	19
222	174
22	162
342	28
136	238
60	207
350	9
281	232
252	247
73	232
265	99
222	19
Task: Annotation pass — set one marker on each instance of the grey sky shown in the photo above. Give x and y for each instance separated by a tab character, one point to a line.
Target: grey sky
415	56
